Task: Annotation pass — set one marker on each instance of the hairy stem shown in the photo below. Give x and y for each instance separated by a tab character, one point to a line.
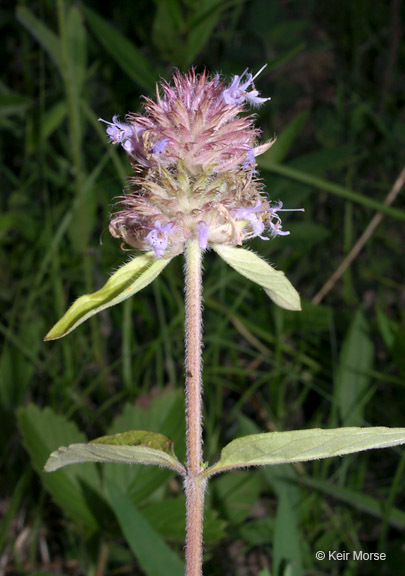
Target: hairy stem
194	485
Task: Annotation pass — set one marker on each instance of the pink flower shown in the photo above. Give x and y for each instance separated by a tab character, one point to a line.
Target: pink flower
193	152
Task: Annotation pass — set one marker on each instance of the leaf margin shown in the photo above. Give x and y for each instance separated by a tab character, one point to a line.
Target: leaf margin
140	271
228	254
305	456
116	448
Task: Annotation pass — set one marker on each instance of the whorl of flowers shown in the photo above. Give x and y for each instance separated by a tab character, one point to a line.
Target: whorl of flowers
193	154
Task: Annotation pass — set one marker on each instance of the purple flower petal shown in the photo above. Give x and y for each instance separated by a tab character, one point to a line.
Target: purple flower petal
250	163
249	214
158	237
237	93
159	146
118	131
203	235
276	227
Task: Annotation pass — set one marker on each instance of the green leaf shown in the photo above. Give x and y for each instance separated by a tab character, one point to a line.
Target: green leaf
285	531
274	282
302	445
124	52
258	531
48	39
123	284
52	119
356	499
285	56
11	103
386	327
285	141
202	24
168	28
76	43
18	364
151	551
163	413
168	517
287	557
313	318
353	377
42	432
326	186
237	494
133	447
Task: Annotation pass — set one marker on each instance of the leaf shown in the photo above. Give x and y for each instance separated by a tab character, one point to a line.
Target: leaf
287	538
285	56
385	327
42	432
285	529
258	532
11	103
48	39
18	364
151	551
126	282
326	186
319	161
236	495
76	43
353	377
302	445
124	52
168	27
286	139
52	119
168	517
304	234
274	282
356	499
163	413
202	24
313	319
133	447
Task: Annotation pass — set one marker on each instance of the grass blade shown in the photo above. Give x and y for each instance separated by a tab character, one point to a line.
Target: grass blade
124	52
152	552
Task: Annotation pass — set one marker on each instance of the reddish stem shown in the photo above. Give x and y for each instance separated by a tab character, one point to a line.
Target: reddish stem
194	485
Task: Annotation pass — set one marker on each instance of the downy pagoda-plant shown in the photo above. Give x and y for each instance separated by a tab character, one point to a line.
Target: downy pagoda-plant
195	187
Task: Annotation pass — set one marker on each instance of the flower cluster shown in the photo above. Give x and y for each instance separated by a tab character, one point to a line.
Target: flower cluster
193	154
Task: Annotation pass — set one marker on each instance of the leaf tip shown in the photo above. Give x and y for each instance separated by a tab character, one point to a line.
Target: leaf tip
50	464
52	336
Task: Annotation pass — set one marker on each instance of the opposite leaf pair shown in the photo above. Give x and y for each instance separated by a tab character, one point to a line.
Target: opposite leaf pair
142	270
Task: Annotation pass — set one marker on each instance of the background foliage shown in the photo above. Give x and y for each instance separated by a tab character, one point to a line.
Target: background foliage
338	110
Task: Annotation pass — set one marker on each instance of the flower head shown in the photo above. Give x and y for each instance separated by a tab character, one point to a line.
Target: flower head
193	152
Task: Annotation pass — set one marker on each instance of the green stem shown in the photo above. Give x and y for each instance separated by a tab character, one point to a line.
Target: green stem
194	484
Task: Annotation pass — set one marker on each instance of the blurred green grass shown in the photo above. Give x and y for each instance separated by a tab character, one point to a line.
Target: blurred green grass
338	110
